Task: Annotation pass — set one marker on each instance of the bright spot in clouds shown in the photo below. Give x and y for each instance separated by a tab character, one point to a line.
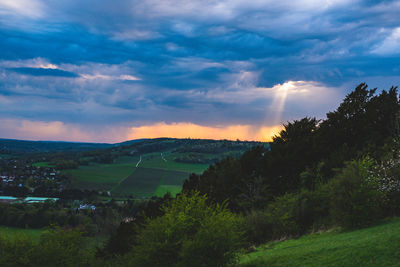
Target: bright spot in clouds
29	8
390	45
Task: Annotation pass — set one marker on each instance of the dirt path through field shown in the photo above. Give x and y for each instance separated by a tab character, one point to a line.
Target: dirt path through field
140	160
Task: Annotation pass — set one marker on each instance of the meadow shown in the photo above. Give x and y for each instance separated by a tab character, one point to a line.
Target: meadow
144	182
155	175
154	160
101	176
375	246
14	232
5	156
42	164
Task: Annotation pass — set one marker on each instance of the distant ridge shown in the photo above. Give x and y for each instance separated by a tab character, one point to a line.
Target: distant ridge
25	146
14	146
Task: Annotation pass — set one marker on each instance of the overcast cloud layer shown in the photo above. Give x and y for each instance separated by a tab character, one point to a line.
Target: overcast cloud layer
107	71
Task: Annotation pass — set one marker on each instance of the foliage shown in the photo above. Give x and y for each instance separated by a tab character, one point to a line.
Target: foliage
66	164
125	235
55	248
189	233
355	196
306	152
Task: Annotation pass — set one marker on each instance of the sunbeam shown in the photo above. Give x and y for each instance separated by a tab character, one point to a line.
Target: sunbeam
278	104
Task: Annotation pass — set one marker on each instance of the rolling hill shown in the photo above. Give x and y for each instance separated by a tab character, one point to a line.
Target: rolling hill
138	168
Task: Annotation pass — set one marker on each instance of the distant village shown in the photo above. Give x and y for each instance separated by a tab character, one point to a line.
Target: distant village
19	177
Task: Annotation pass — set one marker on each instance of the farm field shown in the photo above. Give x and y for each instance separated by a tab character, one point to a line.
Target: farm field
13	232
101	176
145	181
375	246
5	156
42	164
154	175
155	161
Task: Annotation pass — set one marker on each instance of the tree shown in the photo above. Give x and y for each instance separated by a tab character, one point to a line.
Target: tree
355	196
190	233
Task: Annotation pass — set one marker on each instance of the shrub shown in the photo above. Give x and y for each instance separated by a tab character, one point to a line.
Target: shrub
190	233
55	248
284	220
258	226
355	196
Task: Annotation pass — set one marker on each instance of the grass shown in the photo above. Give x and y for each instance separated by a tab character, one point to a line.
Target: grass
144	182
155	161
101	176
375	246
163	189
127	160
14	232
5	156
154	175
42	164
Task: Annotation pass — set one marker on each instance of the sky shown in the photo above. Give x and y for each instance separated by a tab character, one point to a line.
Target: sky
110	71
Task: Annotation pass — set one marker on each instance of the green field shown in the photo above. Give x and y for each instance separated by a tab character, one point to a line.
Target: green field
154	176
13	232
101	176
5	156
374	246
42	164
155	161
144	182
161	190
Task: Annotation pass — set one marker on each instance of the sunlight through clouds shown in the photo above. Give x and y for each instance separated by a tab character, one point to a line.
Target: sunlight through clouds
28	8
197	65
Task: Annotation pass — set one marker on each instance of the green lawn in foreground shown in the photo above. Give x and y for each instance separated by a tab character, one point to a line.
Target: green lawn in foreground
374	246
13	232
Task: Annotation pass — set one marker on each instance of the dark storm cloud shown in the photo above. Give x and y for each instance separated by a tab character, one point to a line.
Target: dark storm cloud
205	61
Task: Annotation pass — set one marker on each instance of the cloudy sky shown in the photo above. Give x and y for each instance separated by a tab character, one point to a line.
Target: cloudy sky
109	71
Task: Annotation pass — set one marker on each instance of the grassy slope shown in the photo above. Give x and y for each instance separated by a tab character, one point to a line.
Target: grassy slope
375	246
13	232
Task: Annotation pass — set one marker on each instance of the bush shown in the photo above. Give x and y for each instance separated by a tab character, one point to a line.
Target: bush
190	233
258	226
284	219
355	196
289	215
55	248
